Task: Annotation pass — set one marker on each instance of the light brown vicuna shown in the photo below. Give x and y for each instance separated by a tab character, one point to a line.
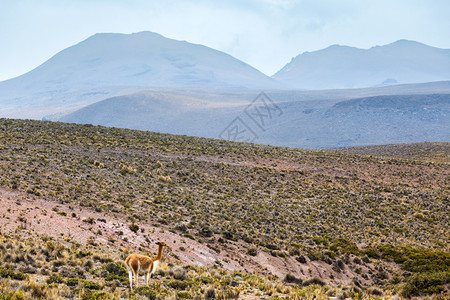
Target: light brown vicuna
136	263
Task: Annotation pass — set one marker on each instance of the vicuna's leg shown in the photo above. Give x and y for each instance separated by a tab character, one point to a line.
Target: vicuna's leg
136	273
136	279
130	276
145	278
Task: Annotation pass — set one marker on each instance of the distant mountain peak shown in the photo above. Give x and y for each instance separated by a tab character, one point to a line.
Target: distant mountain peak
408	44
143	59
339	66
337	46
405	42
143	34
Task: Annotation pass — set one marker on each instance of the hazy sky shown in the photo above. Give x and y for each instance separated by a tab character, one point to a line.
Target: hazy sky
265	34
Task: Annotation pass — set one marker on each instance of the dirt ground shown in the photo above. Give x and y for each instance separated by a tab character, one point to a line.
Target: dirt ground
19	211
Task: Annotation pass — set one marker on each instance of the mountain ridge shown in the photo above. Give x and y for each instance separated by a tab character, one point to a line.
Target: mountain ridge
311	122
109	64
339	66
138	54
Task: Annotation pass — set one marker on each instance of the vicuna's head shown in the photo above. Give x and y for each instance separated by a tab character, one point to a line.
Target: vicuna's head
162	244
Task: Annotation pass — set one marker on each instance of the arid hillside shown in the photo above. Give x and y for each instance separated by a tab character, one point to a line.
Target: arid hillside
430	151
363	225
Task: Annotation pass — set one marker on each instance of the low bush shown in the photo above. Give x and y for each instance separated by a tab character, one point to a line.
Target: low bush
178	284
313	281
8	273
134	228
91	285
72	281
252	251
289	278
343	245
425	284
146	291
54	278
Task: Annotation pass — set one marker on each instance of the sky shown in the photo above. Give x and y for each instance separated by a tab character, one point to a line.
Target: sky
266	34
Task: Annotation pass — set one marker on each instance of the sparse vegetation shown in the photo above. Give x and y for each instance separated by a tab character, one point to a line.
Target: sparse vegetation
386	219
110	280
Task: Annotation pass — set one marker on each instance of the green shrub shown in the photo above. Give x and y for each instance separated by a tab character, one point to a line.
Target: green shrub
425	284
12	296
72	281
184	295
134	228
330	254
189	236
376	292
312	281
372	253
115	271
289	278
5	273
90	285
321	240
89	220
417	259
54	278
205	280
19	276
82	254
116	268
343	245
100	295
178	284
252	251
145	291
301	259
94	295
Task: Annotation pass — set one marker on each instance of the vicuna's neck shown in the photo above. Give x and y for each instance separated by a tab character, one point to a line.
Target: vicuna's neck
160	249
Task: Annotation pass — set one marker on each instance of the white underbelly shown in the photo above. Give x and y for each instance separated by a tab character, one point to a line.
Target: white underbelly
155	266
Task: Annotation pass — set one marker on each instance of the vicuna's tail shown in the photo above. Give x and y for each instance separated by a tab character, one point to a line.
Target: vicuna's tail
128	264
130	271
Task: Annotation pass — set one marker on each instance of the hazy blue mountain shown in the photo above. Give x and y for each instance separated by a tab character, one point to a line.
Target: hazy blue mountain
111	64
348	67
299	119
146	81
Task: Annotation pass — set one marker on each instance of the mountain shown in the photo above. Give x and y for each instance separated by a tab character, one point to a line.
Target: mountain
110	64
144	59
149	110
348	67
149	82
161	111
295	119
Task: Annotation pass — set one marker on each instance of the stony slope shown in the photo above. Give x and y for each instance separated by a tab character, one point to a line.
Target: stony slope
343	218
429	151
